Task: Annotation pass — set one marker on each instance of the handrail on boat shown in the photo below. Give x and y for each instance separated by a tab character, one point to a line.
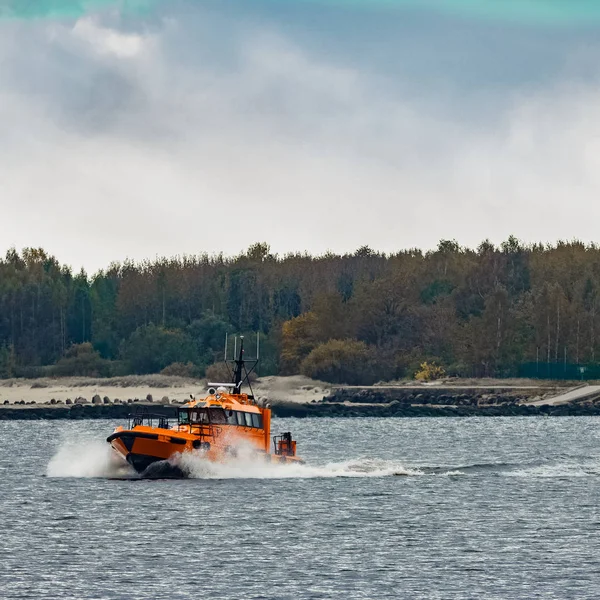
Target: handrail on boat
143	417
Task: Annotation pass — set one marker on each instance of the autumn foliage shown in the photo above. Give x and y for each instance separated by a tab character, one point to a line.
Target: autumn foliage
429	372
342	361
356	318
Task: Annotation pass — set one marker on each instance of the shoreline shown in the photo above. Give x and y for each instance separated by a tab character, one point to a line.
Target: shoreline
296	410
161	389
298	396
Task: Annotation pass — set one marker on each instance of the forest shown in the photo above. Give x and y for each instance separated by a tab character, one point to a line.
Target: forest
503	311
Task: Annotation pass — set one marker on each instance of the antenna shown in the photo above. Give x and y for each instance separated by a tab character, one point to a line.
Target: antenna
225	358
240	371
239	367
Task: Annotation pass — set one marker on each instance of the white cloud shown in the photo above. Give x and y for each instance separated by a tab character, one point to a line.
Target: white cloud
105	40
128	149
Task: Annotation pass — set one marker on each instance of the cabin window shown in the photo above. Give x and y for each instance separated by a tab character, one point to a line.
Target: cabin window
184	417
199	416
231	417
245	419
217	415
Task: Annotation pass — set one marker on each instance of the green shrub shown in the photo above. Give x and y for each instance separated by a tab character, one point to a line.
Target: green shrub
342	361
8	362
150	349
82	360
218	373
221	373
179	369
31	372
208	334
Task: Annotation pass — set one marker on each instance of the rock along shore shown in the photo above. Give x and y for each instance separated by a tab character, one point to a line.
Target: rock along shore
398	410
79	411
329	407
297	396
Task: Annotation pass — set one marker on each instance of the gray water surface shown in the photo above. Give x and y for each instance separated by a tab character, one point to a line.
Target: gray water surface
384	508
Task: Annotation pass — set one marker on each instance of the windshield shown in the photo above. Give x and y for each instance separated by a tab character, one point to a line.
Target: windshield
199	415
217	415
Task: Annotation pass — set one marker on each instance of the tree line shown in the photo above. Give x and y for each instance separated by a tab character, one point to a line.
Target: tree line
353	318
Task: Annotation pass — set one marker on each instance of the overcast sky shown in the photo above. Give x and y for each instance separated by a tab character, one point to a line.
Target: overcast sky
137	129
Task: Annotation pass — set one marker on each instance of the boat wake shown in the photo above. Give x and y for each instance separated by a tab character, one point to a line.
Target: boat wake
584	467
558	470
197	467
93	458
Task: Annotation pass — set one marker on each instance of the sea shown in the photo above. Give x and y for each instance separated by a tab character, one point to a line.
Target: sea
432	508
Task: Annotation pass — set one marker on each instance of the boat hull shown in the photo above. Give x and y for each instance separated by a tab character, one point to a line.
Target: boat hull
153	452
154	468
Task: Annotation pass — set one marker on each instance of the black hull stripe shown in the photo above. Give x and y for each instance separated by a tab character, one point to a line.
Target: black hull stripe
148	436
131	435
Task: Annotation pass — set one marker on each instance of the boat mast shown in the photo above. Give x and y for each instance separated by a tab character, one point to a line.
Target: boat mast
238	374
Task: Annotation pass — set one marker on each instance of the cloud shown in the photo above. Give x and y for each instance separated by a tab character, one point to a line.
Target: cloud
107	41
188	135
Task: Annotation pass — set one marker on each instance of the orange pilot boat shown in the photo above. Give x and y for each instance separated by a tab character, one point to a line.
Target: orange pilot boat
216	428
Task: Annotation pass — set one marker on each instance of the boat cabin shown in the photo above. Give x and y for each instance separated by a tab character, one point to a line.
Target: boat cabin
214	415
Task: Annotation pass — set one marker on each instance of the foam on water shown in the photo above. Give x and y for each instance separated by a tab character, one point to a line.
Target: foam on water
197	467
87	458
557	470
92	458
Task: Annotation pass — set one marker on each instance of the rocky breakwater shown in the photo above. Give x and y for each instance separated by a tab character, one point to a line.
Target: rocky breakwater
424	401
83	408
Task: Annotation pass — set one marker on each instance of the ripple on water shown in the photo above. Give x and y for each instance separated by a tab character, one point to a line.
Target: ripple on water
503	508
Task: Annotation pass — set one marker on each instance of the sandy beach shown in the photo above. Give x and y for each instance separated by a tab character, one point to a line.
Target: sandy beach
274	389
163	389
